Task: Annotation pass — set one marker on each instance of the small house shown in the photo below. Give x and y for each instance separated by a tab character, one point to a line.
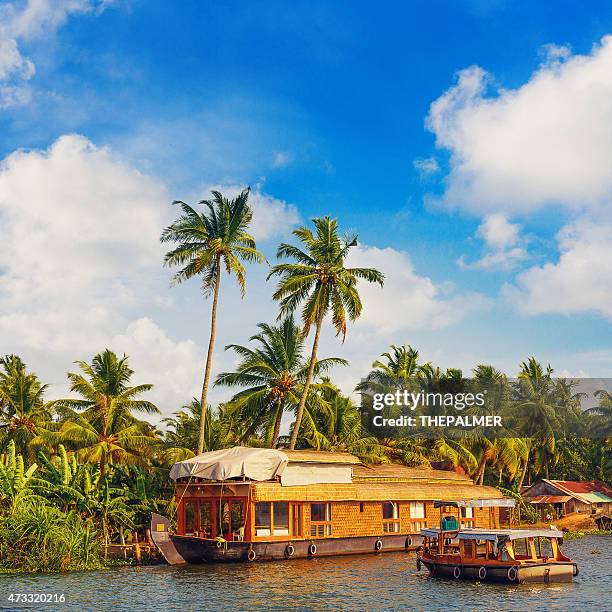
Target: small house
556	498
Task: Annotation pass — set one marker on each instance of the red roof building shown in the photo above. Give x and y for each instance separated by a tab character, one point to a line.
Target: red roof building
556	498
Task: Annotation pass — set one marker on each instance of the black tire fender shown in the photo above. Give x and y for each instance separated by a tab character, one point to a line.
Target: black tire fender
456	572
378	544
290	550
251	555
482	573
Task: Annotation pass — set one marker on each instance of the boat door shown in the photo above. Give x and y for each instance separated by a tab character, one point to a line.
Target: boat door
231	519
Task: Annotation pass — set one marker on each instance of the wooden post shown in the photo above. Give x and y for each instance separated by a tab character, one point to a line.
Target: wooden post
137	547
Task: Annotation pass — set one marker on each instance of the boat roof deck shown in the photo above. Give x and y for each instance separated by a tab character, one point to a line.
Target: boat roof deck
495	534
389	472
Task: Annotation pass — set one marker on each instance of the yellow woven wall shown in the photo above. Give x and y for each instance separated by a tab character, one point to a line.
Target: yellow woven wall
347	519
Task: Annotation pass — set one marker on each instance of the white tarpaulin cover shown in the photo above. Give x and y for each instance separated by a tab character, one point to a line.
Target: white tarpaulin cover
252	463
312	473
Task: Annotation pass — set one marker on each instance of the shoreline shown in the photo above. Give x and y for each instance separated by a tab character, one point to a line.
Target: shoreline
568	535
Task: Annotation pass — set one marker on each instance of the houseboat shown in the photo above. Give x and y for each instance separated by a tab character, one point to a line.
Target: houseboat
252	504
515	556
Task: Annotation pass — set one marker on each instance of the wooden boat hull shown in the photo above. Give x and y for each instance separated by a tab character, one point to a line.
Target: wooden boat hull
199	550
543	573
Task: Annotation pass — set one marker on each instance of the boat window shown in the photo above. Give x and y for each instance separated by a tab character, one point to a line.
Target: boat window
237	517
417	510
206	518
224	518
391	522
263	525
467	512
190	514
520	547
280	518
320	520
468	548
545	549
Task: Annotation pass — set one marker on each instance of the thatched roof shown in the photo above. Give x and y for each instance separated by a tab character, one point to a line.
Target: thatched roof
393	472
312	456
374	491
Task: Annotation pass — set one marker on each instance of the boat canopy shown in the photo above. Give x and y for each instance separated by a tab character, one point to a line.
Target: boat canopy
236	462
495	535
502	502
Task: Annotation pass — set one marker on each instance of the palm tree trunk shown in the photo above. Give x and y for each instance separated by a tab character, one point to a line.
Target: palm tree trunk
481	470
277	424
523	473
311	367
211	345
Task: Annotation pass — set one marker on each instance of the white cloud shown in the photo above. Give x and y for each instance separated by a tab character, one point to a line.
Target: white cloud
80	264
501	251
503	259
175	367
581	280
271	216
498	232
21	22
516	151
547	141
426	167
281	159
407	300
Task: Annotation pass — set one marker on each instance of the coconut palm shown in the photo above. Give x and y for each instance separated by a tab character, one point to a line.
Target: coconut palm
536	413
602	414
399	370
222	429
319	280
206	242
498	448
335	425
274	373
22	407
100	424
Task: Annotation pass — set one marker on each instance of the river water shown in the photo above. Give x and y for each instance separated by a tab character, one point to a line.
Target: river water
369	582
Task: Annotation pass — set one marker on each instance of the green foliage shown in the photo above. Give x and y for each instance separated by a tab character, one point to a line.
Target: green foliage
273	374
41	538
100	424
205	244
23	411
318	281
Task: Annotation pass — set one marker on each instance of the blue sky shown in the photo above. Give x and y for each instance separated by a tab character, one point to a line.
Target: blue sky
483	206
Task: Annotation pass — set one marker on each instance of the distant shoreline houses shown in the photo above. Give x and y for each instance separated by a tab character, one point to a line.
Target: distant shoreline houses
556	498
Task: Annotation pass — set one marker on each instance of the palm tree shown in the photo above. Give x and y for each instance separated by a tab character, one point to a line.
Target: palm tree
400	370
273	373
222	429
335	425
100	423
22	407
602	414
536	413
206	242
320	280
498	448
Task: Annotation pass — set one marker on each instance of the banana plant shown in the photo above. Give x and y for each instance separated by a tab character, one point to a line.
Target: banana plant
16	483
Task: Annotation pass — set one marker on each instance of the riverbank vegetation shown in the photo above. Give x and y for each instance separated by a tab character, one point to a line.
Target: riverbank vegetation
81	472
